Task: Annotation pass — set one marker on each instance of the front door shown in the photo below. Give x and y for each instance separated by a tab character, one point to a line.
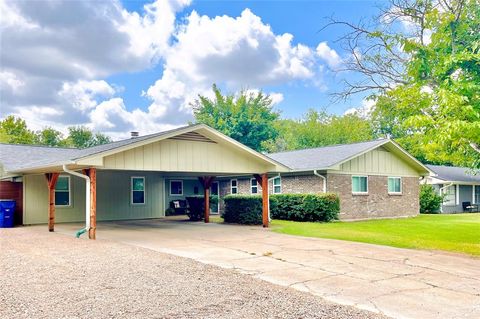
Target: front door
214	198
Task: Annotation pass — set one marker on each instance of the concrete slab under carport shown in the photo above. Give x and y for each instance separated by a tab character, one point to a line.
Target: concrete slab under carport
400	283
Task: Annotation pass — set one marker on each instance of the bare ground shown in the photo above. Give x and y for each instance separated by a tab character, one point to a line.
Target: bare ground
49	275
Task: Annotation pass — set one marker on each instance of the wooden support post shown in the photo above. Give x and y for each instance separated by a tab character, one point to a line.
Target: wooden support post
51	182
93	203
206	182
265	200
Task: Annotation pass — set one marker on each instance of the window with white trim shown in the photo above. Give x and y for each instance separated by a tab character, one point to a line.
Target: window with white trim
359	184
450	195
394	185
233	186
253	186
138	190
277	185
476	194
176	188
62	191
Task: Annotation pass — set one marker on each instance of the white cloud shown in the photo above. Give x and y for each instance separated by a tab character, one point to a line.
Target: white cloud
363	111
329	55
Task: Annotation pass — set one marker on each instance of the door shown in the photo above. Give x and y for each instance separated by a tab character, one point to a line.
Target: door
214	198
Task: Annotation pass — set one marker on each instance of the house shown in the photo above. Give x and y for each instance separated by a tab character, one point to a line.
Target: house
129	179
138	178
375	179
458	185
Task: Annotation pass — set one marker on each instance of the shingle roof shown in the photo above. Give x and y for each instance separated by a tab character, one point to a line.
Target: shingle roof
454	174
323	157
18	157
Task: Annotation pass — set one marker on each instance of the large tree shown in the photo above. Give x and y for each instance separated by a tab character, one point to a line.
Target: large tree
420	61
14	130
247	117
82	137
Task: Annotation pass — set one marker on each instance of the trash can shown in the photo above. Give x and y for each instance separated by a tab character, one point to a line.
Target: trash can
7	209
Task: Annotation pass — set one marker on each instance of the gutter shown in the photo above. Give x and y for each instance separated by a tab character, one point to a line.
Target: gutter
87	199
315	172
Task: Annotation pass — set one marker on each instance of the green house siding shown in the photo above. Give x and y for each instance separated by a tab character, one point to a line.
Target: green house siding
113	198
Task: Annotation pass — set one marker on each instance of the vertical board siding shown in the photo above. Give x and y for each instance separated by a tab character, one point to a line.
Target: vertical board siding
378	161
185	156
113	198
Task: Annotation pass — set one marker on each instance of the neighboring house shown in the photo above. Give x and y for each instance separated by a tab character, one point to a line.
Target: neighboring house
375	179
138	178
459	186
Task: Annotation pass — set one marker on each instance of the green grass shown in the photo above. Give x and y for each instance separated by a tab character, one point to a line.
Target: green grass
456	233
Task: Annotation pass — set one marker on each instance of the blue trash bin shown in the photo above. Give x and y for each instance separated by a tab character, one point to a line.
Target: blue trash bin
7	209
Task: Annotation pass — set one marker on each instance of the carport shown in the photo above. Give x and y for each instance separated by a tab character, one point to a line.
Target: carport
126	179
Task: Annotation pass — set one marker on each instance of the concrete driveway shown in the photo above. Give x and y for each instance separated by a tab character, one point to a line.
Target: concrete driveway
397	282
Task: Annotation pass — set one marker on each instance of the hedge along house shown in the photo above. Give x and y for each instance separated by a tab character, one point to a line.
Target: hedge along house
459	186
128	179
375	179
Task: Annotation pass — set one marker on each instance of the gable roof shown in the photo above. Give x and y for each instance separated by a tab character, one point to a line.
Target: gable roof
454	174
324	157
330	157
18	158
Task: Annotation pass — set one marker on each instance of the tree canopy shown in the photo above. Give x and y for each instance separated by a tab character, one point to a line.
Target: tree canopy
14	130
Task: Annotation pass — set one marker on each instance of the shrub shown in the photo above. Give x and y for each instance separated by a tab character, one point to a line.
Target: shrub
243	209
247	209
305	207
430	201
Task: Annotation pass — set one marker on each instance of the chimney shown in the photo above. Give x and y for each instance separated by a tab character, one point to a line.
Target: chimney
133	134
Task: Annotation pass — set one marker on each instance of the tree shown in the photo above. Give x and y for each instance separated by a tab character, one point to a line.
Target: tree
247	117
425	78
50	137
82	137
318	128
14	130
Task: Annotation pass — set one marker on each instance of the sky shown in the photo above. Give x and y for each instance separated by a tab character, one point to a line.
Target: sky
121	66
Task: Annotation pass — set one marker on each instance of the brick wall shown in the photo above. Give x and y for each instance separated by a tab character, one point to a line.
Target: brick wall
377	203
301	184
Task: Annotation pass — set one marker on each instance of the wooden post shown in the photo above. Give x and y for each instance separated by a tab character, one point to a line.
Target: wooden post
51	182
206	182
263	181
93	203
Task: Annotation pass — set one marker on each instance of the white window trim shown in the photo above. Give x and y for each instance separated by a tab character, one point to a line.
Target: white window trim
401	186
279	185
359	193
457	197
474	187
252	186
232	187
144	190
170	187
69	191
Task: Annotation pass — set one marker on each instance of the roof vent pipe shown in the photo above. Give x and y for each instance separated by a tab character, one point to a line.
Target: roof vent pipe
134	134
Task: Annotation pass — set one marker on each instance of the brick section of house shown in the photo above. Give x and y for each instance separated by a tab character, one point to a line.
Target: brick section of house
300	184
377	203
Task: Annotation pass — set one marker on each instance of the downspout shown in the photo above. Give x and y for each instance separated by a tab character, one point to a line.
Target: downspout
268	195
315	172
87	200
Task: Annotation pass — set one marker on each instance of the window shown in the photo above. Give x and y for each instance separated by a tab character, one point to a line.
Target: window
360	184
450	195
476	194
233	186
138	190
62	191
253	186
277	185
394	185
176	188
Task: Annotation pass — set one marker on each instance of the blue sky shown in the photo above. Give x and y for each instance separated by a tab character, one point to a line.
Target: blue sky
118	66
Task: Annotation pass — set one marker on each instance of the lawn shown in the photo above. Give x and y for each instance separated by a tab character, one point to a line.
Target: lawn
456	233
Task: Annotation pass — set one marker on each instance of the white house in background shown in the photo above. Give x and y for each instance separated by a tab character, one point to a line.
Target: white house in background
459	185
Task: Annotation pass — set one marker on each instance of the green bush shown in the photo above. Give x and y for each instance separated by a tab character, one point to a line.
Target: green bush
243	209
247	209
430	201
305	207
